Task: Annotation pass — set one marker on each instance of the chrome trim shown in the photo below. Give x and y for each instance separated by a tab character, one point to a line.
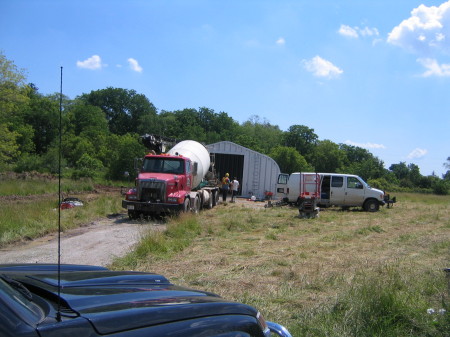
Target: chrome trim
278	329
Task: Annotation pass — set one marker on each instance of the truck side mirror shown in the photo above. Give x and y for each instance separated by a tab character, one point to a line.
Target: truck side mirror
138	164
194	168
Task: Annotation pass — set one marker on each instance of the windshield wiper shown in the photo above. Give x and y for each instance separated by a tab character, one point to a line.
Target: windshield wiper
18	286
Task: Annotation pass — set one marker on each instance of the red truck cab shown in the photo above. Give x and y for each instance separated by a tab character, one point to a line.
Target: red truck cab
162	186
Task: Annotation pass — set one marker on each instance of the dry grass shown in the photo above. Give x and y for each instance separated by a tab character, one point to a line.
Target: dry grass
284	265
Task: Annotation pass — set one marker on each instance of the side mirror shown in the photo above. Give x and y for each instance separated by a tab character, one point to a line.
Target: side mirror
138	164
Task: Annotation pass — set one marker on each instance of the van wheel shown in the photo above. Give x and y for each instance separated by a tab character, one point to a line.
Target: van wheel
371	206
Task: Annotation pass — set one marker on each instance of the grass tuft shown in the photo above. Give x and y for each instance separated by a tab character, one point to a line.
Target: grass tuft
156	245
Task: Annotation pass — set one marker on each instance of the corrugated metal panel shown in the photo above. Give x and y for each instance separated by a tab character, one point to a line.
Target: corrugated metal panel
260	172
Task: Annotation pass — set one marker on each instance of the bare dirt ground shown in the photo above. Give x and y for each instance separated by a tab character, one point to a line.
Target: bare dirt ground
95	243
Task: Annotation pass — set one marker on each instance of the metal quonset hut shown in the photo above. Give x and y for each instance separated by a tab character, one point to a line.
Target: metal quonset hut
256	172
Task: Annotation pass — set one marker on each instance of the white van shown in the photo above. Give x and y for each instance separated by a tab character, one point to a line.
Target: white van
335	189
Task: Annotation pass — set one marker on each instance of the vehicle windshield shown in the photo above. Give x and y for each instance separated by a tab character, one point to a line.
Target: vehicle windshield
366	184
20	303
163	165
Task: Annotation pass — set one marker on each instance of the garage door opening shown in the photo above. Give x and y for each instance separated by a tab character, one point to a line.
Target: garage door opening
232	164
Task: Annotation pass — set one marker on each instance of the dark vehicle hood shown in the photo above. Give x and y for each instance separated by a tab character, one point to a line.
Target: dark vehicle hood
117	301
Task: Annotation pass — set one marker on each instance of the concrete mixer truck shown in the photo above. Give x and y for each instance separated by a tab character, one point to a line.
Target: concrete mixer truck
181	180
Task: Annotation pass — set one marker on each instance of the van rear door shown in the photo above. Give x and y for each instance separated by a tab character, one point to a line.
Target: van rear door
282	186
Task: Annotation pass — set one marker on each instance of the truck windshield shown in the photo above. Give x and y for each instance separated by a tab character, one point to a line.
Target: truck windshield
163	165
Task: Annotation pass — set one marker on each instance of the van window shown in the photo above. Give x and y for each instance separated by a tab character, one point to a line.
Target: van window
337	181
353	182
283	179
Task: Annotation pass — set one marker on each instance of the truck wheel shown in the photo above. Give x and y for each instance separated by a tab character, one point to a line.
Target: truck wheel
186	205
371	206
210	201
214	198
196	205
217	197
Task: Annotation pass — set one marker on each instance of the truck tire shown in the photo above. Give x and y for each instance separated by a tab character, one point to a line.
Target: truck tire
196	205
186	205
214	198
210	200
371	205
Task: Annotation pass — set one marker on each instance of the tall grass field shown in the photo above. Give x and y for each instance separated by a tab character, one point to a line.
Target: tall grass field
346	273
29	208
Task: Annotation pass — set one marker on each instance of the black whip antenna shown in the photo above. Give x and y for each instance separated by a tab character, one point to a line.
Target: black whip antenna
58	312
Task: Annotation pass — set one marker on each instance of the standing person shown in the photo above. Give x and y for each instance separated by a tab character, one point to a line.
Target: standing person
225	186
234	189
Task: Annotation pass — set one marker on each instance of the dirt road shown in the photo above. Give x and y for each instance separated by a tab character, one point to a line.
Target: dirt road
96	243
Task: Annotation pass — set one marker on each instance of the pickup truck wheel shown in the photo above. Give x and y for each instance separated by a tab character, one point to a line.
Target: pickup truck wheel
186	205
371	206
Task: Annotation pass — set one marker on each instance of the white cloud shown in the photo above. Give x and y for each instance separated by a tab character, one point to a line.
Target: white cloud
281	41
348	31
356	32
93	63
134	65
366	145
366	31
417	153
322	68
425	31
434	68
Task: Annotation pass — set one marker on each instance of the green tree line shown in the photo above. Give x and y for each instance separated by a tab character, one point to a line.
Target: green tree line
101	131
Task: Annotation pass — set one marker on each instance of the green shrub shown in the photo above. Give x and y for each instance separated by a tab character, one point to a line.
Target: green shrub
380	183
441	187
28	162
87	167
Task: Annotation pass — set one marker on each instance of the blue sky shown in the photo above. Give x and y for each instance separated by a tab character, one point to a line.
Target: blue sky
375	74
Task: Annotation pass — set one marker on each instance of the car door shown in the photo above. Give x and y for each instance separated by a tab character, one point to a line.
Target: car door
354	194
337	190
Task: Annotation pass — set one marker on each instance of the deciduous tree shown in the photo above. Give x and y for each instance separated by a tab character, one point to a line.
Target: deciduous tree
289	160
302	138
328	157
123	108
12	98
